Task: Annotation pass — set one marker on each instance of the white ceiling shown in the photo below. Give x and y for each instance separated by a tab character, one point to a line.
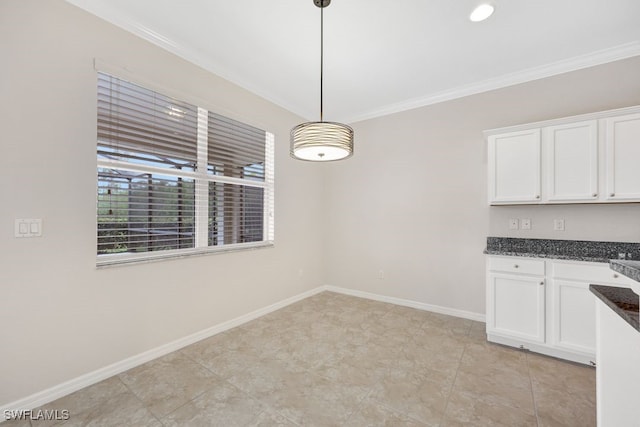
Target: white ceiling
380	56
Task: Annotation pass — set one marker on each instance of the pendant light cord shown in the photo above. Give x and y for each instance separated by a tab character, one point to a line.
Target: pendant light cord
321	55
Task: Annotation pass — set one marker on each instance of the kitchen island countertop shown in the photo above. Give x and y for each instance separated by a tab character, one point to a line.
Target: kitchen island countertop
622	301
629	268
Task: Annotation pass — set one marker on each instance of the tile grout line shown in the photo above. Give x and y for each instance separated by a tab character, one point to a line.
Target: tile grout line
360	403
185	403
226	380
387	312
265	404
144	405
533	396
453	383
372	388
396	411
267	408
247	393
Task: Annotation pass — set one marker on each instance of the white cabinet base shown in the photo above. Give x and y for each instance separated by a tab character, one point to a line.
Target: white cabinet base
584	358
545	306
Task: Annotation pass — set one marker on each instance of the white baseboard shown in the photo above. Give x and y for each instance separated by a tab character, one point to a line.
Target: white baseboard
60	390
43	397
409	303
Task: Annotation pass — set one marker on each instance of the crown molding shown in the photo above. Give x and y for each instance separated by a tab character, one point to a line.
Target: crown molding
105	12
109	14
575	63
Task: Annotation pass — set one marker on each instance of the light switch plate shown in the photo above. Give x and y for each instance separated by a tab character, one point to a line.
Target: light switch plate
513	224
28	228
558	224
525	224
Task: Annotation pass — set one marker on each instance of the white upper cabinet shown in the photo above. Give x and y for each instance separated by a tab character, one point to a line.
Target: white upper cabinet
514	167
571	162
623	157
593	158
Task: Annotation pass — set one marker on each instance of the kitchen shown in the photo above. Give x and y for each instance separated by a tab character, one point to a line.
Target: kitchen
406	219
571	299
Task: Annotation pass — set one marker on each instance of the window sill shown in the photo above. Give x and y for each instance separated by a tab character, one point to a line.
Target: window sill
105	261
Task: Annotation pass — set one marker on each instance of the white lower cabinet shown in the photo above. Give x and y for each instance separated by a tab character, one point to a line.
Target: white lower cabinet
517	307
618	375
544	305
574	317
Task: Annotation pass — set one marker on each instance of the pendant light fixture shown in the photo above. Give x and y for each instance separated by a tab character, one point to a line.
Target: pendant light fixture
321	141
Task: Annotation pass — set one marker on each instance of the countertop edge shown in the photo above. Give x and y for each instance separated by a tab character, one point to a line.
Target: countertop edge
628	268
547	256
617	299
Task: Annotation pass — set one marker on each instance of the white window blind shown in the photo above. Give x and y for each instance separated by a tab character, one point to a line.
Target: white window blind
175	179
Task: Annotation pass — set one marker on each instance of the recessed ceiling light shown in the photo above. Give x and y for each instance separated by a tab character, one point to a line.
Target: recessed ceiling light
481	12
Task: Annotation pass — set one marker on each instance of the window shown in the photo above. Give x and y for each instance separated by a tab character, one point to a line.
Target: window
175	178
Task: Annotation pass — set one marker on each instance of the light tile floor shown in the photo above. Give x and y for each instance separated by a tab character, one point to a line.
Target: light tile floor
336	360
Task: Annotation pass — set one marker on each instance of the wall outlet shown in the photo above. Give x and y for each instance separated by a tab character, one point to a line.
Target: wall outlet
513	224
525	223
558	224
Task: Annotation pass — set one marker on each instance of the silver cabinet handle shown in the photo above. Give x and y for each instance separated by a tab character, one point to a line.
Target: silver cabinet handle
612	194
615	276
542	283
537	196
516	266
595	194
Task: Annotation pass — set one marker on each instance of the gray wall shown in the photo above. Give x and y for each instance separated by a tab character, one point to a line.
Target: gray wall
61	317
413	200
616	223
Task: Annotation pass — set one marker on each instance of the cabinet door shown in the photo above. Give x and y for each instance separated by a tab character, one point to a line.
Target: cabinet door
515	307
574	316
617	376
514	167
623	157
571	162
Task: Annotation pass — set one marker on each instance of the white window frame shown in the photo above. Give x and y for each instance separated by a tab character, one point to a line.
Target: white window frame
202	179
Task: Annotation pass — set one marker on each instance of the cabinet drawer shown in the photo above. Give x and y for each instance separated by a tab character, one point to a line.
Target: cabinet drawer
517	265
592	273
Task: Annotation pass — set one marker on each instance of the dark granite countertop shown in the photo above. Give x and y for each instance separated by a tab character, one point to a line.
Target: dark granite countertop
628	268
623	301
576	250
